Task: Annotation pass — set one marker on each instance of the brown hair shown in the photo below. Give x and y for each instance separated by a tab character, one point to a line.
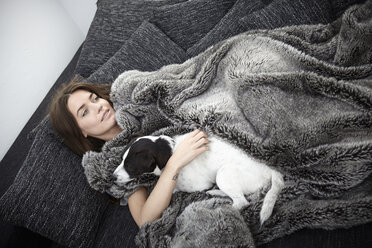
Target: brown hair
64	122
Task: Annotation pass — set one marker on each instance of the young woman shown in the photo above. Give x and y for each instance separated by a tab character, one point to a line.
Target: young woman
83	115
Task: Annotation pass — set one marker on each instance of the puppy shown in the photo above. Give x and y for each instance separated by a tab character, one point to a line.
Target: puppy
235	173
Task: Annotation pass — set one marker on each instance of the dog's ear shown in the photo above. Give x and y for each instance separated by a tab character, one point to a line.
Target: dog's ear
139	163
163	152
146	160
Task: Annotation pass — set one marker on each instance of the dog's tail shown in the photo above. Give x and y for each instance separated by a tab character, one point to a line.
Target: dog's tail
277	184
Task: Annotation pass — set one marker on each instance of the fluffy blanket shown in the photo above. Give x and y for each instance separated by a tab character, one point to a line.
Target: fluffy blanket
298	98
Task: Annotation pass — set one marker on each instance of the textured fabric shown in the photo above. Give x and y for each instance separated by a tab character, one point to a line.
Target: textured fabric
227	26
147	49
117	228
187	22
281	13
113	24
301	113
50	195
339	6
217	232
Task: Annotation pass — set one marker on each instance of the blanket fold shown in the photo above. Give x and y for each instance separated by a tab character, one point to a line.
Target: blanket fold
298	98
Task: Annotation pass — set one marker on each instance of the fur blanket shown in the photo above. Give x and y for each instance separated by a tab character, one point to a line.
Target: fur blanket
298	98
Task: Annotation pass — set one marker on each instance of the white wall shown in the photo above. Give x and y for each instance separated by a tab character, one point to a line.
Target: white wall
81	12
38	38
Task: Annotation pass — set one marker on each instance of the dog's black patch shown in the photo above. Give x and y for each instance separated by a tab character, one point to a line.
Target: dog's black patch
144	155
164	152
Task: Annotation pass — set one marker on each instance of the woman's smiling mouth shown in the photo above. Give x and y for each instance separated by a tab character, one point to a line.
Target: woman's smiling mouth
105	115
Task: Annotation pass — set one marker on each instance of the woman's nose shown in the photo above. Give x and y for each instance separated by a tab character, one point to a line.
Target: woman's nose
97	106
100	107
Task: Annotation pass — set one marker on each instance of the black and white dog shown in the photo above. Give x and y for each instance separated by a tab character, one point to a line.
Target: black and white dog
235	173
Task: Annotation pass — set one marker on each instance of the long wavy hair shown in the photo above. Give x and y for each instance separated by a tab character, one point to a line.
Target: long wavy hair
64	122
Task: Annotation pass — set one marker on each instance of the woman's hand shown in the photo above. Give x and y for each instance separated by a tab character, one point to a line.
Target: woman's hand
192	146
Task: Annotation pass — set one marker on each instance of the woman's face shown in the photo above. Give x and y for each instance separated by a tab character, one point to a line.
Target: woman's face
94	115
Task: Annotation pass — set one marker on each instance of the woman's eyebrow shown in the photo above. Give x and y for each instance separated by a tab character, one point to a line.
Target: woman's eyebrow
82	106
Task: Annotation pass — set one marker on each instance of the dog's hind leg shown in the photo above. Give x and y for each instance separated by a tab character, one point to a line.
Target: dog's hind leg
277	184
231	188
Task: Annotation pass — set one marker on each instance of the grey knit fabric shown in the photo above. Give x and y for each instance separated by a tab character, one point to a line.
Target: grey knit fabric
140	52
281	13
227	27
339	6
113	24
305	115
51	196
117	228
184	22
187	22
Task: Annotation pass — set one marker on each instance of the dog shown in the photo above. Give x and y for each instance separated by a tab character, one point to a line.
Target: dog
234	172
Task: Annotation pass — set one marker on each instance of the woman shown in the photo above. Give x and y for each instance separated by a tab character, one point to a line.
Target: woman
83	115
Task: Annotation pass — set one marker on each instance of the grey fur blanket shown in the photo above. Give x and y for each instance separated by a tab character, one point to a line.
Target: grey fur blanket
298	98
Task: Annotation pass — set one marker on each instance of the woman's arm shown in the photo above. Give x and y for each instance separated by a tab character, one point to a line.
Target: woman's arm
148	208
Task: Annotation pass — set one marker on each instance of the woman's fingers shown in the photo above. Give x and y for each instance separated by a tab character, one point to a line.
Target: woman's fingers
195	132
197	138
202	141
199	134
194	144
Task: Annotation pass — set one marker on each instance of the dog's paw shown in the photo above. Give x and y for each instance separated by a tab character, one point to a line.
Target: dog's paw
239	203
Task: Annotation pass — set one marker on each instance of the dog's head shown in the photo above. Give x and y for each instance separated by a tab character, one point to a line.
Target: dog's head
148	154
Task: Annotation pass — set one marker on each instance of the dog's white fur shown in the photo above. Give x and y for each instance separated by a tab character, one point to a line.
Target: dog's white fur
235	173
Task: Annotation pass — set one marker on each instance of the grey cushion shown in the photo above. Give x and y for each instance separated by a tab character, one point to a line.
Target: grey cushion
228	26
117	228
147	49
339	6
113	24
51	196
280	13
187	22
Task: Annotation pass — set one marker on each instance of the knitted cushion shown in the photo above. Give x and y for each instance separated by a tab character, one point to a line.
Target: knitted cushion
147	49
339	6
113	24
50	194
117	228
280	13
187	22
227	26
